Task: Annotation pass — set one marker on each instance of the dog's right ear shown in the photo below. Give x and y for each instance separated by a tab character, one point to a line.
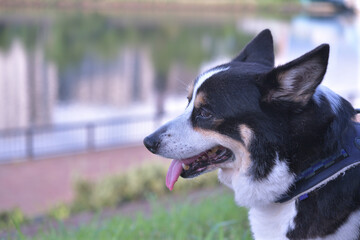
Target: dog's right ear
259	50
297	80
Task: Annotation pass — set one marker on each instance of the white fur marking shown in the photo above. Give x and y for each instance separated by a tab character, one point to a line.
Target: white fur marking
272	221
181	141
268	220
252	193
201	79
206	75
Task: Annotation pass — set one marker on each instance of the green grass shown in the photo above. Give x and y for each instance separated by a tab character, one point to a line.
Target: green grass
216	217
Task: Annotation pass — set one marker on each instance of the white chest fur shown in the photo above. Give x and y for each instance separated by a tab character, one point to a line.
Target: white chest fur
268	220
252	193
272	221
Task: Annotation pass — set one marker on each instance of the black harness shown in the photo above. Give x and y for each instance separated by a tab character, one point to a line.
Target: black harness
329	168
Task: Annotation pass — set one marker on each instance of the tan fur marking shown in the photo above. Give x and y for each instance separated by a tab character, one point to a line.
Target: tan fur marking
246	134
217	122
242	155
356	118
199	99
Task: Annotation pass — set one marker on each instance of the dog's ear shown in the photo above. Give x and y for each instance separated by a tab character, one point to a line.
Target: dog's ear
297	80
258	50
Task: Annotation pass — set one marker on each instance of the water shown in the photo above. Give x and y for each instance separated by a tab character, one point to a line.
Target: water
80	68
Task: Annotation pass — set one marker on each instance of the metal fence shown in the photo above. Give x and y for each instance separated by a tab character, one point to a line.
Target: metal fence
41	141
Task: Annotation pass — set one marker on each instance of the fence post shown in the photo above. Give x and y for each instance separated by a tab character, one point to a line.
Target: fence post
90	130
29	138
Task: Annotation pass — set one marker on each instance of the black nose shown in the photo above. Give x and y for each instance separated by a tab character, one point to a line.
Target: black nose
151	143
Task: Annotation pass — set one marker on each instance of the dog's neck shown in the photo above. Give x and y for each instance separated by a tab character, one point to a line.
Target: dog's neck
327	169
276	220
320	140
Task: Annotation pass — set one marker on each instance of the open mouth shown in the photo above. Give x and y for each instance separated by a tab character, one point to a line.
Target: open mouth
196	165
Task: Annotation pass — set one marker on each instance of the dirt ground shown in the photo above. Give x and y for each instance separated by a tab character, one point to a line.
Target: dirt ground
35	185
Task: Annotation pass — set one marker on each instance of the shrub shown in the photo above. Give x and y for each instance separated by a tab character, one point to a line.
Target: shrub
132	185
11	218
60	212
138	183
84	190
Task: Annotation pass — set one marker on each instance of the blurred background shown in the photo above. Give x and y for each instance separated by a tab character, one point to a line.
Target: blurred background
83	82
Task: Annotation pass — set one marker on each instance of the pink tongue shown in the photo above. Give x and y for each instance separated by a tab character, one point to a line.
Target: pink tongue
173	173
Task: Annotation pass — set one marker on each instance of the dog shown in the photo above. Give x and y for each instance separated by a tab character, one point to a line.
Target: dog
287	146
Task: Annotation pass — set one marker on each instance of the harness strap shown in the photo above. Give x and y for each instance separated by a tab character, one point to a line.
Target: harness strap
327	169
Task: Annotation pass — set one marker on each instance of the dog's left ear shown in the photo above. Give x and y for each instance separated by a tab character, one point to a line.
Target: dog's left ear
259	50
297	80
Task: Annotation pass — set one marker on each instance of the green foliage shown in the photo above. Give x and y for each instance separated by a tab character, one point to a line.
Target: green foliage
26	33
76	36
72	39
60	212
134	184
84	191
11	218
216	217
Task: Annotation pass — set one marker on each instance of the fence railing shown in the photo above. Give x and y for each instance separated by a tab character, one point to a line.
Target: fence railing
42	141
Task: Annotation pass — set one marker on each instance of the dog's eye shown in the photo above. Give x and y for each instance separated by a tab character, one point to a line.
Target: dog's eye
204	113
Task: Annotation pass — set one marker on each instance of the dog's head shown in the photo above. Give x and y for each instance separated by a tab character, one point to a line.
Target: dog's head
240	118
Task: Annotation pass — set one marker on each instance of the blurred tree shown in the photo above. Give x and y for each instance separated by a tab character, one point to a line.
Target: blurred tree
24	32
73	38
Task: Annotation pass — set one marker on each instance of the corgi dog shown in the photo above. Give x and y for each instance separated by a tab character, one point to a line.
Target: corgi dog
288	147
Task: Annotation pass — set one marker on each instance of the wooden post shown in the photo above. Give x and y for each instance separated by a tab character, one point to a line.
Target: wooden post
29	141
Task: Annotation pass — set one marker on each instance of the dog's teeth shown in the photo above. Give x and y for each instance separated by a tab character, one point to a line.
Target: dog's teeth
185	167
213	150
203	158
